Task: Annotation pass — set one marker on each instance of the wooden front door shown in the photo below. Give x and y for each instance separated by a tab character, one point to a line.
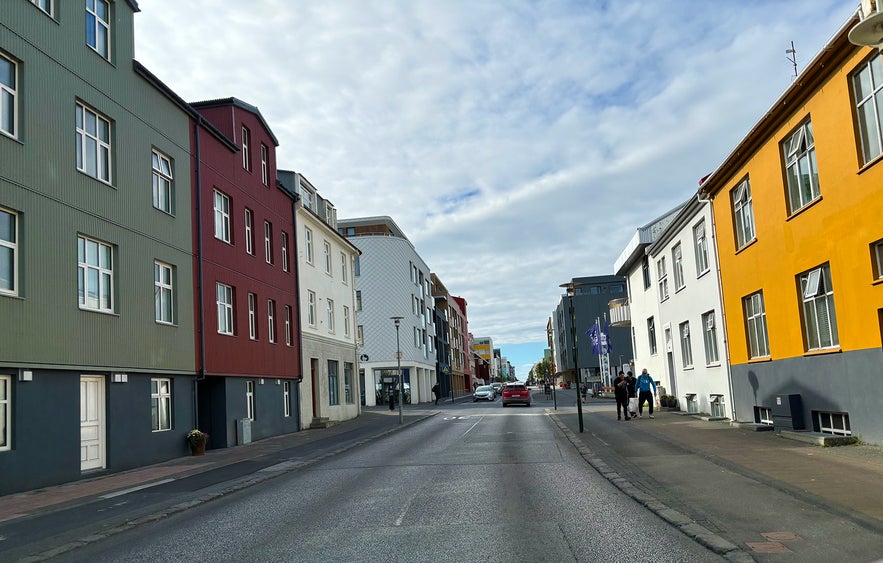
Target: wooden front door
92	445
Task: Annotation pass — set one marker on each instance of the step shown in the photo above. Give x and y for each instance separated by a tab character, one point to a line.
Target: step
818	438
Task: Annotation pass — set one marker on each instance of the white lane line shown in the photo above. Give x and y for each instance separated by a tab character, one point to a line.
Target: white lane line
470	429
133	489
405	509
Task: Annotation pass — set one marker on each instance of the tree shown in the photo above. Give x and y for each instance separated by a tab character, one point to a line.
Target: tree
542	370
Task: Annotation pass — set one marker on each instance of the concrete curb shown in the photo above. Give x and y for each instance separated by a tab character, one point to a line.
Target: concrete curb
687	526
230	487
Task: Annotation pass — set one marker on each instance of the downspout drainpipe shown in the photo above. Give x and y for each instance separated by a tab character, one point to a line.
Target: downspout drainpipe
720	289
199	278
300	340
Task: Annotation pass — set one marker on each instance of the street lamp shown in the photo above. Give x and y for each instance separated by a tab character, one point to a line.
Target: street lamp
579	404
398	321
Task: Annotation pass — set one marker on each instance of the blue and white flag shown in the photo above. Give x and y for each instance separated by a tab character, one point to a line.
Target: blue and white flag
595	336
607	340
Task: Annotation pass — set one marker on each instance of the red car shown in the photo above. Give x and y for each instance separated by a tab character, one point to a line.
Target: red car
515	393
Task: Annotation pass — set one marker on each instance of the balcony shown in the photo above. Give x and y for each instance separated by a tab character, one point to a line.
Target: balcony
620	315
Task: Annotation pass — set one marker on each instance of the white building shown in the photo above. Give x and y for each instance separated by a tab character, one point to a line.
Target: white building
331	390
690	312
393	281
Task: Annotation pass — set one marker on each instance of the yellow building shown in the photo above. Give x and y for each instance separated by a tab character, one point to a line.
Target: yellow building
798	211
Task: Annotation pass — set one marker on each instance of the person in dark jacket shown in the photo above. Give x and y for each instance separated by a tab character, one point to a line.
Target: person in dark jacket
436	391
621	391
631	379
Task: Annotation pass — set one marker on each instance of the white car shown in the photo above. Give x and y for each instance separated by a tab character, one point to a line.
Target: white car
484	393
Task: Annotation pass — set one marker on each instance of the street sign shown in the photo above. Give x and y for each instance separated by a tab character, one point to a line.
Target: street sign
389	379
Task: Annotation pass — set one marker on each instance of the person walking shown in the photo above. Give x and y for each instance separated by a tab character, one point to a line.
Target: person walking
646	389
621	392
633	399
436	391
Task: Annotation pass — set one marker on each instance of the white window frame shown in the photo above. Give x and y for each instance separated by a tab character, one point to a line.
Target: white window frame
9	123
662	277
346	321
164	292
249	231
246	156
249	400
268	242
9	246
801	168
100	27
308	244
829	427
343	269
222	216
224	302
94	138
311	307
333	382
358	300
677	260
327	248
5	413
252	316
709	332
286	399
160	404
819	315
330	310
700	241
348	395
265	168
284	251
686	344
743	214
756	327
44	5
102	267
878	259
271	320
868	94
288	339
163	194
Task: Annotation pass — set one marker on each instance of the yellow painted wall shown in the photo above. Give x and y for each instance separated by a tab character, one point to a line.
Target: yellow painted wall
838	229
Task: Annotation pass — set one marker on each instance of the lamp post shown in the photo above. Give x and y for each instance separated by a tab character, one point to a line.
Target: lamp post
398	321
579	404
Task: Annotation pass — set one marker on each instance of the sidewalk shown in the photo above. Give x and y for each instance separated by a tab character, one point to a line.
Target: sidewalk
746	494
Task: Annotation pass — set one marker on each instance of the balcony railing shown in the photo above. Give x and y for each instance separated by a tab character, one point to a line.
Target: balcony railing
620	315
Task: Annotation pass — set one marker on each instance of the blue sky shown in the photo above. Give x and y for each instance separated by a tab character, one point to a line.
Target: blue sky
518	144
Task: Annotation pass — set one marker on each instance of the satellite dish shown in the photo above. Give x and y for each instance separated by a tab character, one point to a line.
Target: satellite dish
868	32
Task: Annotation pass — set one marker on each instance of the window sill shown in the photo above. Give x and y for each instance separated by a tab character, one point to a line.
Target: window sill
804	208
99	311
878	281
760	360
688	368
703	273
713	365
748	244
870	164
680	289
822	352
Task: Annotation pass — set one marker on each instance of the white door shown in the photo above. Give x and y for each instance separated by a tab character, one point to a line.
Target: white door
91	422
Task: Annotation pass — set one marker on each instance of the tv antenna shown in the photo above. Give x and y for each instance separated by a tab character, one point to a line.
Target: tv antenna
791	55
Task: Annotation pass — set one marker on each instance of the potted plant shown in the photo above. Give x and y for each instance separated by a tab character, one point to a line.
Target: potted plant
197	440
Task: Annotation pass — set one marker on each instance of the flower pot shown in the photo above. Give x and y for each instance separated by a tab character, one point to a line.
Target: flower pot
197	448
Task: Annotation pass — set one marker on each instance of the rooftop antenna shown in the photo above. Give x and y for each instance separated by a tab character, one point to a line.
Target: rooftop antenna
791	55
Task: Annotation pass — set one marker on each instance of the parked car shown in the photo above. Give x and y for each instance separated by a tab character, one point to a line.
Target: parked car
484	393
498	387
515	393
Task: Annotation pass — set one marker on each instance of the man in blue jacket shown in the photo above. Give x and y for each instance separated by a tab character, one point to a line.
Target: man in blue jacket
646	388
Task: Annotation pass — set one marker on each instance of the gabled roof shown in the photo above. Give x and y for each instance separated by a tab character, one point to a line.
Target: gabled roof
643	237
240	104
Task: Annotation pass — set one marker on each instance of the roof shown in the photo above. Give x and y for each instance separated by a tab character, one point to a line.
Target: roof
240	104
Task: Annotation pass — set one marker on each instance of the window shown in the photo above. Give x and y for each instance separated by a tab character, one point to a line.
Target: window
700	242
358	300
662	276
45	5
246	156
222	217
249	400
98	26
801	169
93	143
268	242
330	303
651	335
327	247
357	267
677	261
308	244
284	251
5	412
645	269
343	268
95	275
224	301
311	308
833	423
819	319
271	320
161	404
710	334
360	335
867	85
265	168
743	214
686	347
162	181
348	395
755	319
288	339
763	415
252	316
163	293
286	398
8	252
346	321
249	231
876	255
333	391
8	97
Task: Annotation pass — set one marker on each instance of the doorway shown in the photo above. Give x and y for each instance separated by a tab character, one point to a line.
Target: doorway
92	432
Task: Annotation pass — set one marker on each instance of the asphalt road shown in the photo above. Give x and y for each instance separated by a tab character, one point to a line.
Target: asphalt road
476	483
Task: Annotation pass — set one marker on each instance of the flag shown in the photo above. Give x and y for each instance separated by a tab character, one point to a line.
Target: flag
596	338
609	341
